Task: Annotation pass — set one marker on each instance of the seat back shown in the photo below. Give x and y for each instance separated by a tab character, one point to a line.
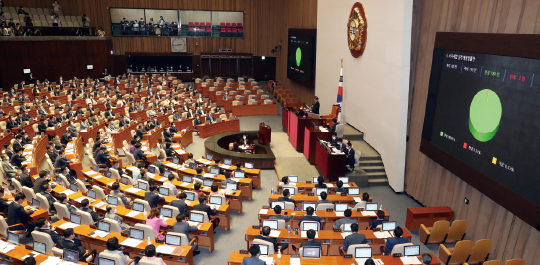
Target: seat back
303	222
43	202
80	186
289	205
514	262
197	180
57	251
3	227
100	194
399	248
45	239
114	174
480	251
195	195
29	193
61	211
16	184
457	231
64	180
114	257
149	262
324	206
264	242
439	231
184	241
281	224
115	226
145	203
148	230
493	262
351	248
461	251
206	219
130	158
174	210
86	217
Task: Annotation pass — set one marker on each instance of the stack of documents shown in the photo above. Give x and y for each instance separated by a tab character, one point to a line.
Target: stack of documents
164	249
345	234
131	242
304	234
357	199
100	233
410	260
52	260
5	247
133	190
267	260
67	225
274	233
294	261
383	234
369	213
91	172
68	192
132	214
100	204
263	211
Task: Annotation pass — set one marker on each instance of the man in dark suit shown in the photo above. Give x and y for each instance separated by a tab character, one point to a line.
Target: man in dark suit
69	242
380	219
141	131
255	252
205	208
85	208
311	239
354	238
159	164
278	216
17	214
166	133
139	154
309	216
320	182
152	196
180	203
66	138
287	197
393	241
124	121
103	156
42	127
266	237
340	188
42	179
172	129
47	194
18	142
52	154
43	226
315	107
4	205
61	160
184	228
350	160
18	158
340	145
25	179
334	125
11	123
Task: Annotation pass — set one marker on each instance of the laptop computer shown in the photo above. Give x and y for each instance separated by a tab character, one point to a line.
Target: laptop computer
75	218
124	181
293	179
104	226
172	240
231	186
263	248
142	185
363	252
274	204
176	160
152	170
164	191
92	194
319	190
239	174
165	212
341	207
347	227
216	200
196	217
193	166
73	187
353	191
273	224
345	180
137	206
306	226
187	178
136	233
35	203
112	200
214	170
315	179
209	157
248	165
166	173
388	226
105	261
40	247
291	190
311	252
13	238
411	251
372	206
208	182
227	161
190	196
71	256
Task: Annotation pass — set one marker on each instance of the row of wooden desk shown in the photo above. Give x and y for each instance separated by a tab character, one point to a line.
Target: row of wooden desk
255	110
252	173
207	130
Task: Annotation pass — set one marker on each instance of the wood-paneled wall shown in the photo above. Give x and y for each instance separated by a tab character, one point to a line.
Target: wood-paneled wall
52	58
266	24
426	180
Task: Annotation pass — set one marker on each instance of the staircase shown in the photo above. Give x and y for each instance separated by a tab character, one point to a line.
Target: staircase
370	170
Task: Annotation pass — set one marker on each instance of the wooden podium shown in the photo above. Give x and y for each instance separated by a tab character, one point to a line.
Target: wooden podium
265	134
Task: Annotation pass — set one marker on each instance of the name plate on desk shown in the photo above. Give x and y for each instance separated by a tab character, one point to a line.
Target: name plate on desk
298	255
311	194
337	230
348	256
243	252
255	227
266	207
396	255
343	194
308	182
298	209
329	210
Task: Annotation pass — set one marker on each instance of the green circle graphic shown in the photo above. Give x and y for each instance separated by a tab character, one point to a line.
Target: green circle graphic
298	56
485	115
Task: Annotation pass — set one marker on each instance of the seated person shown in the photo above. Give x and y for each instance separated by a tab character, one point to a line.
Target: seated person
323	199
286	197
197	189
189	160
169	151
215	190
340	188
266	237
309	216
17	214
354	238
118	193
29	261
393	241
150	255
346	220
85	208
153	219
112	248
44	226
63	199
380	219
69	242
311	240
278	216
180	203
362	204
199	175
255	252
426	259
170	184
285	181
320	183
209	211
239	167
111	214
153	197
184	228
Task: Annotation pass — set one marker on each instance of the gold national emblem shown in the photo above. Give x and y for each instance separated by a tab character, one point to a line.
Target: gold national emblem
357	30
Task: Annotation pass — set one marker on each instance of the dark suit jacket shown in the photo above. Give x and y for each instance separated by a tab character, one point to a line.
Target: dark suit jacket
315	108
38	185
4	206
284	199
353	239
95	217
181	205
350	157
26	180
66	138
204	208
52	156
74	245
61	161
16	160
16	215
141	132
309	218
42	127
393	241
102	157
153	199
333	128
374	223
160	166
197	122
139	154
310	244
252	261
49	197
54	236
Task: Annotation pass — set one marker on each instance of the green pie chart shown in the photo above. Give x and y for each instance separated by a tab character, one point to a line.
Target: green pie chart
298	56
485	115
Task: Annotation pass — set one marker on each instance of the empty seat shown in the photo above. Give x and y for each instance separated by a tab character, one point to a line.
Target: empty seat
70	24
435	234
457	255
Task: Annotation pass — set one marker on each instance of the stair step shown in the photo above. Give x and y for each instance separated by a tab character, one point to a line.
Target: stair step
377	182
370	163
373	169
366	158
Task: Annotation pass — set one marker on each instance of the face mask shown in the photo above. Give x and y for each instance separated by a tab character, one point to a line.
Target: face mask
333	137
48	225
114	211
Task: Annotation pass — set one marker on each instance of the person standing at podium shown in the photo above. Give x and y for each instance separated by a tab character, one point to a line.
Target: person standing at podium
244	141
350	158
315	107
